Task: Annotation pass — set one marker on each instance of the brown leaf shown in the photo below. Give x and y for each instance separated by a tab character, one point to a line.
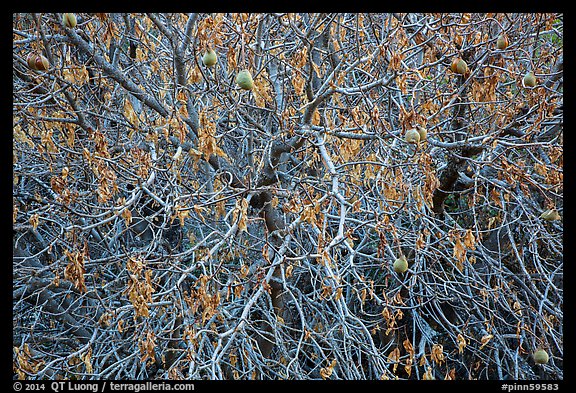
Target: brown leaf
437	353
326	372
485	340
469	240
428	375
461	343
74	271
450	375
459	253
394	357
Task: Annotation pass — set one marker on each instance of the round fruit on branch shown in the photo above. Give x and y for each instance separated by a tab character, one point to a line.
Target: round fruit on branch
209	58
31	60
502	42
423	132
244	80
400	265
541	356
529	79
459	66
69	20
412	136
37	62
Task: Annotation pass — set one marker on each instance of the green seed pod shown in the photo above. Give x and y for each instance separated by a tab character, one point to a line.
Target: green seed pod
541	356
209	58
529	79
400	265
69	20
412	136
244	80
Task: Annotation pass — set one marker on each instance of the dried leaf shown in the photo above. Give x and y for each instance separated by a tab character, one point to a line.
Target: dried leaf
240	214
469	240
86	358
147	347
127	216
408	347
74	271
437	354
461	343
33	220
394	357
289	269
459	253
550	215
485	340
326	372
428	375
129	113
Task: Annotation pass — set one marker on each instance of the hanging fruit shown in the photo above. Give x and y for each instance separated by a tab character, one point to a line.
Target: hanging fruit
69	20
42	63
31	60
423	132
529	79
541	356
453	64
412	136
37	62
400	265
459	66
244	80
502	42
209	58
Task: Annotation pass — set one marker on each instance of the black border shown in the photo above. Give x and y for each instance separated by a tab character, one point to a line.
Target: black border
317	6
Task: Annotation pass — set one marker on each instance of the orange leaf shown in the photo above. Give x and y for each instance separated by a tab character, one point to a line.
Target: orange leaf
437	353
394	357
469	240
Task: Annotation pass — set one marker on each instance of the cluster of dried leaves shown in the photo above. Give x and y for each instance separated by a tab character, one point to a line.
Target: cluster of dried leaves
168	224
